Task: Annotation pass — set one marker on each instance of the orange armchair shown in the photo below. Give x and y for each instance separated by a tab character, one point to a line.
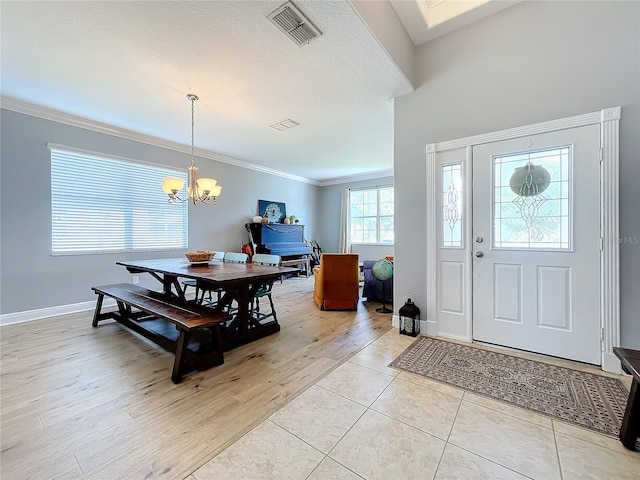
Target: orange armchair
336	282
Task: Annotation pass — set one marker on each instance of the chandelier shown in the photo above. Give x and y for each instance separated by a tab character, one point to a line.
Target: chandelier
202	190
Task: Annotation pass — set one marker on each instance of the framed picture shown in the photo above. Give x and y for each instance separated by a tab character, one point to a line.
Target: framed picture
275	211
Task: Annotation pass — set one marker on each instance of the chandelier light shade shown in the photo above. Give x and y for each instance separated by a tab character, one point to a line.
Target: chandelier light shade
205	190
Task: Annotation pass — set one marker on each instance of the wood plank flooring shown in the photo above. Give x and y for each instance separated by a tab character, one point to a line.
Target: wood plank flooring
84	403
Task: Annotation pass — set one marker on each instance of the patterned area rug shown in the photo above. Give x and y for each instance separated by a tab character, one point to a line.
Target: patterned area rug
584	399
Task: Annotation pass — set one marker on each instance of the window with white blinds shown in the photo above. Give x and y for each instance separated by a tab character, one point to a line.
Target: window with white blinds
102	204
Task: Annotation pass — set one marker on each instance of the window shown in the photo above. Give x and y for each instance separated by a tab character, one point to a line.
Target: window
102	204
534	221
452	205
371	216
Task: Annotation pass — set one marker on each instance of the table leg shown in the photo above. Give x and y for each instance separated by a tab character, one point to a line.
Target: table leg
181	353
244	327
630	429
169	281
96	313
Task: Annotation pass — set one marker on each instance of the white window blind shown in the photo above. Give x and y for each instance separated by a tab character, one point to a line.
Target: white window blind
102	204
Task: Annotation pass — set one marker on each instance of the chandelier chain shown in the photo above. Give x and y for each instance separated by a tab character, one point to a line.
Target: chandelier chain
193	99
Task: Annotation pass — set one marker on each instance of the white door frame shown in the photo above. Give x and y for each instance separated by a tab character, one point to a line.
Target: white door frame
609	120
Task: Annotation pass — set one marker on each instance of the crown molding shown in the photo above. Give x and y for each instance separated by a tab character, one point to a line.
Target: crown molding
45	113
356	178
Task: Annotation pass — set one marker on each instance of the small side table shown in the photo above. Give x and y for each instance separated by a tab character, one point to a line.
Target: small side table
298	262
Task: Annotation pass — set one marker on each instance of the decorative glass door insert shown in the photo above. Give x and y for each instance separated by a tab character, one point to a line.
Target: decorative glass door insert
532	200
452	205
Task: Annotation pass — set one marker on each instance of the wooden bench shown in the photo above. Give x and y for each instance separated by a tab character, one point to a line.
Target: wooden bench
196	339
630	429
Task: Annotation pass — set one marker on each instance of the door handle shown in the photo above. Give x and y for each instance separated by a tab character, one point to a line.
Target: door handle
479	254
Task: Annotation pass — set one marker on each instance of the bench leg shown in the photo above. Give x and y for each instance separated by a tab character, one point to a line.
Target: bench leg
96	313
181	356
630	429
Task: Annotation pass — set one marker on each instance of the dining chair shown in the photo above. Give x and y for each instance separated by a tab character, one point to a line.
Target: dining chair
265	288
229	257
236	257
189	282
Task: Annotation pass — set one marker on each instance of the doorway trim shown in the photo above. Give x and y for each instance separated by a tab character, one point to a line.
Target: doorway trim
609	120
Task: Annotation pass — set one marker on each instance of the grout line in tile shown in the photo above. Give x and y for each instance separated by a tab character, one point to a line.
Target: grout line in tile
555	441
435	473
407	424
588	440
335	393
505	413
293	434
489	460
431	388
368	368
454	420
78	464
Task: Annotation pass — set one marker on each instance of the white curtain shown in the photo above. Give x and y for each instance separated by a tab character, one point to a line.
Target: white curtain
345	238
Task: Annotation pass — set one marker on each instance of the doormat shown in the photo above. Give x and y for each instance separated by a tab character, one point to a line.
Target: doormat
591	401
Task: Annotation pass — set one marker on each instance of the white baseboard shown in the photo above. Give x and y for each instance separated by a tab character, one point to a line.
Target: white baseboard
431	328
424	325
611	363
30	315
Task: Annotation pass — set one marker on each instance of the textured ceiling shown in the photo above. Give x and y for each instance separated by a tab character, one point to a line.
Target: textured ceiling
130	65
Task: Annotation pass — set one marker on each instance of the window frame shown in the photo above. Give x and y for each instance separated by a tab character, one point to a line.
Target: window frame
111	218
377	216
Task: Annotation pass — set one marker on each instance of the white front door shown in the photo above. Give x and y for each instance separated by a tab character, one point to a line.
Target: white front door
536	243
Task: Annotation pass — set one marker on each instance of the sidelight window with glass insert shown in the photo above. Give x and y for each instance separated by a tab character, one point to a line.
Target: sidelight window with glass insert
452	205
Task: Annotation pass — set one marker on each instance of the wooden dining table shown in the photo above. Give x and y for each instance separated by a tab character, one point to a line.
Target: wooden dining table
239	283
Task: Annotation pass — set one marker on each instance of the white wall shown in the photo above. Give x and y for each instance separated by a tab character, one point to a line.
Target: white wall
532	62
31	279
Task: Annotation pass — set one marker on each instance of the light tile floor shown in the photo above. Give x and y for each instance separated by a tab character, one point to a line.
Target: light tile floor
368	421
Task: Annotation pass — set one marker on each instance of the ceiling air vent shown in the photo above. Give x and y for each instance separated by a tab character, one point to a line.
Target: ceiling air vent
285	124
290	21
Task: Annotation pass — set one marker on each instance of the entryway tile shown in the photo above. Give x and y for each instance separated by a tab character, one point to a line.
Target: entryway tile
516	444
582	460
332	470
507	409
319	417
265	453
355	382
432	384
394	341
379	447
430	411
377	358
593	437
458	464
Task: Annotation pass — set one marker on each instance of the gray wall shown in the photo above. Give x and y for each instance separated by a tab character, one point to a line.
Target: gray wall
533	62
33	279
328	211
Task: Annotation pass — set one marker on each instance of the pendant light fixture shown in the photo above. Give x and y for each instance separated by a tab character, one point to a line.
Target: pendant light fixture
203	190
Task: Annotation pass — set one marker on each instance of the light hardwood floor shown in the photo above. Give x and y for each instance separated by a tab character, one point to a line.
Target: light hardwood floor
79	402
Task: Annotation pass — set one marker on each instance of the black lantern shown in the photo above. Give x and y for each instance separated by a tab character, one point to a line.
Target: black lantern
409	319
